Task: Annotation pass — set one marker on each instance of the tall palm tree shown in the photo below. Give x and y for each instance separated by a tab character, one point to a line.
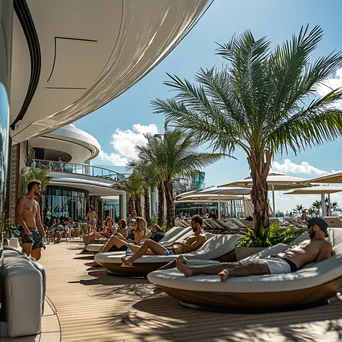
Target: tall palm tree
172	156
148	181
151	156
317	205
262	101
299	209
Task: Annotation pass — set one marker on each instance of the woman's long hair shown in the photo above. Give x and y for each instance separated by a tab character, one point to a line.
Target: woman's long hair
142	225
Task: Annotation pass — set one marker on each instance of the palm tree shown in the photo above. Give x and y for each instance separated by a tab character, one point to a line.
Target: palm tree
174	156
311	211
148	181
151	156
28	174
299	209
335	207
133	187
317	205
261	101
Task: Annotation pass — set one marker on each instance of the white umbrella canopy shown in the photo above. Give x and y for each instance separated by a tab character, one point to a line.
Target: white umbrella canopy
334	177
317	190
275	182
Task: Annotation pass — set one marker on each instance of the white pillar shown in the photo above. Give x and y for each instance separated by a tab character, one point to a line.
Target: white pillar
323	205
219	207
123	206
273	198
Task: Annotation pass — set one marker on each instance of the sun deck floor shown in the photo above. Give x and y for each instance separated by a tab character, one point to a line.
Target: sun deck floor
93	306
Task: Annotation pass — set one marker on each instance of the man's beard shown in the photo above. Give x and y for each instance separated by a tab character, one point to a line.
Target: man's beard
194	229
311	235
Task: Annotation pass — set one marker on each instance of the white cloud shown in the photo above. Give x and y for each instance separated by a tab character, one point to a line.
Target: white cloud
330	84
124	143
303	168
113	158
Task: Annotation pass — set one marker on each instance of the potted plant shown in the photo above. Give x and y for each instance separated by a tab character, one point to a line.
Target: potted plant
251	243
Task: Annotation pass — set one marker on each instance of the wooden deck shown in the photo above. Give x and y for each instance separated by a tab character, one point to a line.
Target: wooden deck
92	306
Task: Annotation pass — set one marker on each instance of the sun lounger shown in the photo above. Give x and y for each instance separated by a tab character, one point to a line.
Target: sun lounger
176	233
312	284
333	221
218	247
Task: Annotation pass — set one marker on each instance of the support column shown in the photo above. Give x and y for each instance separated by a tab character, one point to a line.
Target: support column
324	213
123	206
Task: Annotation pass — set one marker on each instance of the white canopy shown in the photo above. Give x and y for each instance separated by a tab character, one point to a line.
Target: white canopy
275	181
334	177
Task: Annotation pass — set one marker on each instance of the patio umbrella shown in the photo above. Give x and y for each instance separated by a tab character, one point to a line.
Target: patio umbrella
275	182
317	190
217	194
334	177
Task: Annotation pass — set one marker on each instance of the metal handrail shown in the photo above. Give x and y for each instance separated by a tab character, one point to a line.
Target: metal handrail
81	169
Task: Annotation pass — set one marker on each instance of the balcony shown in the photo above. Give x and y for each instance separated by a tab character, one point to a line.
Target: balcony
79	169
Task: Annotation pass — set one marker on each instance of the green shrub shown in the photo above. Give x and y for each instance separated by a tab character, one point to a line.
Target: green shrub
269	237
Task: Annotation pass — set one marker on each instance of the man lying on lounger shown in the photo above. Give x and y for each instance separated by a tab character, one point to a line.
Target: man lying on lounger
151	247
310	251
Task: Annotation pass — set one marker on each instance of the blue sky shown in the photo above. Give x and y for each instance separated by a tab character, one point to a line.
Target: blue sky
127	116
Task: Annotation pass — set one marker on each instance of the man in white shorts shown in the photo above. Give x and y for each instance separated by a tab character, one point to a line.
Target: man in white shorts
310	251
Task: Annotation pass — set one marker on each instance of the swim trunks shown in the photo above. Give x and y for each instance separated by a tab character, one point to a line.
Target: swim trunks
276	265
169	251
35	238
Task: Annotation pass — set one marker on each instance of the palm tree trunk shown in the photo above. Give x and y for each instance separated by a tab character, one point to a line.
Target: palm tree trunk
138	205
130	205
170	217
259	195
147	206
160	187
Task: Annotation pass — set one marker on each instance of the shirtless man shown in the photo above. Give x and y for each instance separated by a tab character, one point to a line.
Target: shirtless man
91	220
28	216
151	247
310	251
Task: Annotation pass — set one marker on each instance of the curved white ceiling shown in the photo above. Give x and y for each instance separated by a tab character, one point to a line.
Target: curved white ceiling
91	52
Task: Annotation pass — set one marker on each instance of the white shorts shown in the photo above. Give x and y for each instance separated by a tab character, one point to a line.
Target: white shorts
275	265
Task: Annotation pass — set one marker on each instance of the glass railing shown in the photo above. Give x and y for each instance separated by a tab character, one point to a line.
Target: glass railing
80	169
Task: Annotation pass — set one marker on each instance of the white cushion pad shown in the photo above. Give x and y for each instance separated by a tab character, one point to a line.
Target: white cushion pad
307	277
216	246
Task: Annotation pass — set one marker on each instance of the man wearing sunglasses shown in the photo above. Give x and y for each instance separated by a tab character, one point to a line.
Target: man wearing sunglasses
309	251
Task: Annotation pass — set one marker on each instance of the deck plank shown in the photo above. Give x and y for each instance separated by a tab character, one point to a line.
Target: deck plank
92	306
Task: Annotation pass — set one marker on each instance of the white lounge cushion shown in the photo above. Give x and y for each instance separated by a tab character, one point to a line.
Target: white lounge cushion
216	246
24	294
307	277
175	234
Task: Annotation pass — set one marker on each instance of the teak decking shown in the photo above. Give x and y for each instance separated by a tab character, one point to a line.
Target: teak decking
93	306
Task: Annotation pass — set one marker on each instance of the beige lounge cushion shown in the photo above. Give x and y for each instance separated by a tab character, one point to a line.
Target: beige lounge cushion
216	246
307	277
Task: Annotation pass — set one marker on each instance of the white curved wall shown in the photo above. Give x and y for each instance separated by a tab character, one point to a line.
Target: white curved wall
80	145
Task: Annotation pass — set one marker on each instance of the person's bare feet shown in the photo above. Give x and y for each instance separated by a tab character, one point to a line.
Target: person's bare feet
126	263
224	275
182	259
186	270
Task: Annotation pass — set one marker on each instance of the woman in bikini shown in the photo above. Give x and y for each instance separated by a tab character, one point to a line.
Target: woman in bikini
115	243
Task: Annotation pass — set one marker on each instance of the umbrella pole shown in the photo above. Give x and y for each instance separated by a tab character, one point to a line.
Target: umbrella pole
273	198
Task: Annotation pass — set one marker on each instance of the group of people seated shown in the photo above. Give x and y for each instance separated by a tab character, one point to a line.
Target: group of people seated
313	250
58	231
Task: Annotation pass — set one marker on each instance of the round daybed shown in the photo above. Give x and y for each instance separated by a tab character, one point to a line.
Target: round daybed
312	284
218	247
174	234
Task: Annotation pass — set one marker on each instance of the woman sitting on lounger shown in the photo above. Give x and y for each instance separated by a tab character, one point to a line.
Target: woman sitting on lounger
122	232
107	233
116	243
151	247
